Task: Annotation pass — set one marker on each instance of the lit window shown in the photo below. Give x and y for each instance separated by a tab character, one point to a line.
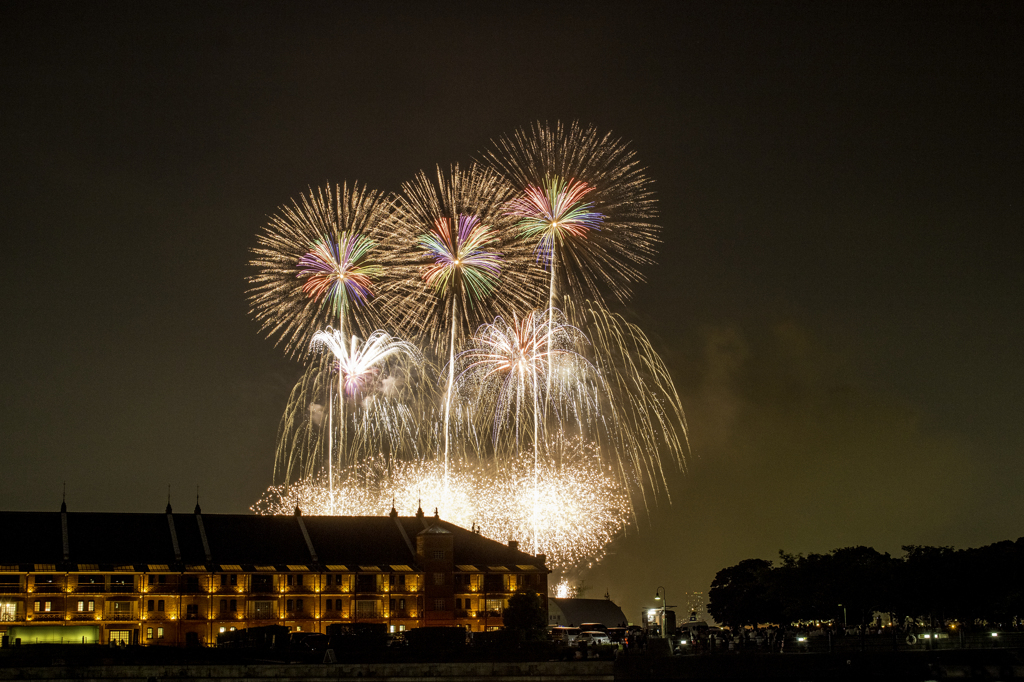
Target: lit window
149	633
81	606
47	606
92	605
159	633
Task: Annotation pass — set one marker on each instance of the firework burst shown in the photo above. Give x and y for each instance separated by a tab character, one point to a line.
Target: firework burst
537	425
322	261
359	362
586	246
517	370
389	399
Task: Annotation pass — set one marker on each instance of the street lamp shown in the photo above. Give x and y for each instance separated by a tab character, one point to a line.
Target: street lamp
664	605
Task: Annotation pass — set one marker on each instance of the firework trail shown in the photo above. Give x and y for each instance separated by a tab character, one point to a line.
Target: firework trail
322	261
642	422
470	266
583	506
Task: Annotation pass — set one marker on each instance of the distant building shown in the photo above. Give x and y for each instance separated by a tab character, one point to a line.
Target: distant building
179	579
574	612
694	606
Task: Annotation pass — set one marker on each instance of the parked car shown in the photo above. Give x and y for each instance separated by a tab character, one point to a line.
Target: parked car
564	635
593	637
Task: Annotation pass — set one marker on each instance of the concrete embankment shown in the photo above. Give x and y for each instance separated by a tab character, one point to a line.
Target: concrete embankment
552	671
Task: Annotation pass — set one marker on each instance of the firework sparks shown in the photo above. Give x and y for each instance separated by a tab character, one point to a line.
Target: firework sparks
582	506
643	422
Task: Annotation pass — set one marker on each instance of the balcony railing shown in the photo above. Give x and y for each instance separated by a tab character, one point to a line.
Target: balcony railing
120	587
47	616
90	589
10	589
119	616
49	588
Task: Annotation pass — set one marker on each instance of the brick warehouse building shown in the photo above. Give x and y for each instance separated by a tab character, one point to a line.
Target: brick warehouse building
177	579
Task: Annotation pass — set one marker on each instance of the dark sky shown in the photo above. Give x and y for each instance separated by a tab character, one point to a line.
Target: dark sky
839	293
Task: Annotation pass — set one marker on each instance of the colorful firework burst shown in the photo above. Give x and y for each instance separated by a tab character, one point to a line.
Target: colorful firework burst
464	252
337	271
553	213
553	168
320	262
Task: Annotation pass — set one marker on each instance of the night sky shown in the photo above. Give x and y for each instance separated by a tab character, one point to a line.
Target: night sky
838	295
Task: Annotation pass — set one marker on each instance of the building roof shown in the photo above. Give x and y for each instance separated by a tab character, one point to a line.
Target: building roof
575	612
107	541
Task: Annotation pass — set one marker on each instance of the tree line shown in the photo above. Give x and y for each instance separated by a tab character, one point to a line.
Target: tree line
981	586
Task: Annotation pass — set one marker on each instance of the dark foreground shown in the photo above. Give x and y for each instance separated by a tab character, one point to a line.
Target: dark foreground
43	662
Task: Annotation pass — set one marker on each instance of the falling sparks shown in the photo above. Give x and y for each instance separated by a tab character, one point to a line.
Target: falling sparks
581	504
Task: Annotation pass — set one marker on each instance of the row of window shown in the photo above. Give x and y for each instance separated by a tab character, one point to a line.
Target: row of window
291	578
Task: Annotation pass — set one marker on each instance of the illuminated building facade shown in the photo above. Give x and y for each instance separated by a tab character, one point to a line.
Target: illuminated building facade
181	579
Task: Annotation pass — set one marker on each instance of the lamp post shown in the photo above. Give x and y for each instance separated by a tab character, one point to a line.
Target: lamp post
664	605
